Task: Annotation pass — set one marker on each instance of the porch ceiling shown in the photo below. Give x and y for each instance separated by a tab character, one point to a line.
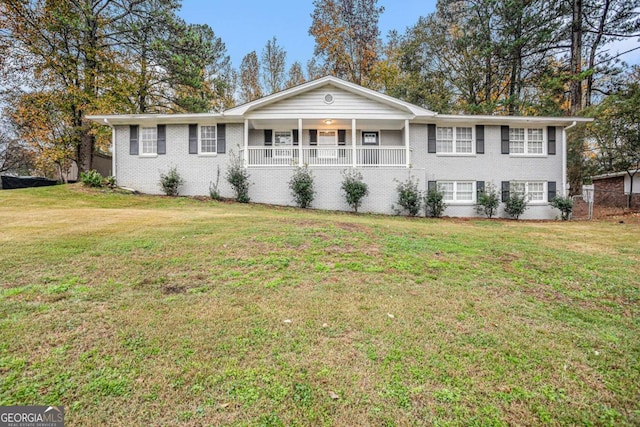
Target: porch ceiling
320	123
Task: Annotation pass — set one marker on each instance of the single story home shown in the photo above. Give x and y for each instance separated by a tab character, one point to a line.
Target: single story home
612	189
332	125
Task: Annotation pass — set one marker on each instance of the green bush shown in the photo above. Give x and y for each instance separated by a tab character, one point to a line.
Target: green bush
516	204
171	181
409	197
488	201
91	178
109	182
354	188
565	204
434	204
301	186
238	177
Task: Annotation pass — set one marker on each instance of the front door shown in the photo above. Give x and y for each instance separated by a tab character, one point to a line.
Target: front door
326	139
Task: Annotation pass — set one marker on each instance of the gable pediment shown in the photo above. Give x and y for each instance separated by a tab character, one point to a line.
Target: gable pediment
329	96
330	101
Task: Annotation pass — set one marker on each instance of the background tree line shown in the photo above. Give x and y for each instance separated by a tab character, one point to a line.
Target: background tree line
63	59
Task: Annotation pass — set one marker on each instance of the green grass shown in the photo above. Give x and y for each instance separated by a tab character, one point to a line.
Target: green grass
136	310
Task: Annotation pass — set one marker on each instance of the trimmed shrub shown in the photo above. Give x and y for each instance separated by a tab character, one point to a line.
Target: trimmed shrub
171	181
238	177
91	178
409	197
434	204
488	201
301	186
516	204
354	188
565	205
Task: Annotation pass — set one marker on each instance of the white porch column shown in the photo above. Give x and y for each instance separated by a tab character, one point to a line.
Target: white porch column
407	147
300	161
246	143
354	160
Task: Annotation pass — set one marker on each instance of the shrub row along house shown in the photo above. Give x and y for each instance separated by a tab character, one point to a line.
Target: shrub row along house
332	125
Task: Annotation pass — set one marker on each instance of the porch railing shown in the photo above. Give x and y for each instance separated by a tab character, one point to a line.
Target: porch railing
326	156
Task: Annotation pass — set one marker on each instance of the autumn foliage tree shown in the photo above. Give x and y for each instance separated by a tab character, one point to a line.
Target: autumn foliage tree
89	56
615	134
274	61
346	37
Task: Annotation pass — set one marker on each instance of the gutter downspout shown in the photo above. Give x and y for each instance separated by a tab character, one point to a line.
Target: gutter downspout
113	149
564	158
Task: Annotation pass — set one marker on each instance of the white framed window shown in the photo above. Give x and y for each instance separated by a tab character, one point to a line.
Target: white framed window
369	138
534	190
282	138
454	140
458	191
208	139
282	143
149	141
526	141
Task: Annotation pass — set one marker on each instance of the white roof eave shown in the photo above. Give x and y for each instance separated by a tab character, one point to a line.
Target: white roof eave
132	119
505	120
350	87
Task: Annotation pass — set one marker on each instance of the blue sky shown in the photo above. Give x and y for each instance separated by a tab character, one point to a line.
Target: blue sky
246	25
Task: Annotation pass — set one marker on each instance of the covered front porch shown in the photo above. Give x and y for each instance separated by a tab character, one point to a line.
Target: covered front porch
331	142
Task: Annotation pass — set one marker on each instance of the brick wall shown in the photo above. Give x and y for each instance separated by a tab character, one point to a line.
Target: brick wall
609	192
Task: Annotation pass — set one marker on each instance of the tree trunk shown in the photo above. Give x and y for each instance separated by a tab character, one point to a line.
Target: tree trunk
594	51
576	59
89	89
85	149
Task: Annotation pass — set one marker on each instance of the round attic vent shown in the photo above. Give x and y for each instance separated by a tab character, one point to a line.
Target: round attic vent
328	98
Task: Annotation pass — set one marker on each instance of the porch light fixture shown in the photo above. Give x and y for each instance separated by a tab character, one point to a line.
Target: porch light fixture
328	121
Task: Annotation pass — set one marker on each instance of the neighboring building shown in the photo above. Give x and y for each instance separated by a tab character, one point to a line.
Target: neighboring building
332	125
612	190
101	162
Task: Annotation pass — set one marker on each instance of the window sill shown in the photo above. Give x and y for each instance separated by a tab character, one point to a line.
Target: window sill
147	156
455	203
455	154
207	154
531	156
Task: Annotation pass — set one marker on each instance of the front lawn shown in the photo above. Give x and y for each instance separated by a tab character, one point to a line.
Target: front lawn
140	310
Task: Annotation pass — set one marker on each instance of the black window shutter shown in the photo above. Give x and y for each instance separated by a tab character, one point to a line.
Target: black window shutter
193	139
505	190
294	133
268	137
551	190
432	185
431	138
479	139
551	140
342	137
133	140
221	135
479	189
162	139
313	137
504	131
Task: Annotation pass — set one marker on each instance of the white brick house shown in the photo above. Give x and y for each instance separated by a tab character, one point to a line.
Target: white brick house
332	125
